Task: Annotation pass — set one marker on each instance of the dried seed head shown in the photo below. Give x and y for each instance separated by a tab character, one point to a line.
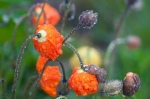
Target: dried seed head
131	84
63	8
87	19
62	88
133	42
99	72
111	87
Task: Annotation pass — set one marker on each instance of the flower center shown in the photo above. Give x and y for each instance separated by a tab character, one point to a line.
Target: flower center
42	38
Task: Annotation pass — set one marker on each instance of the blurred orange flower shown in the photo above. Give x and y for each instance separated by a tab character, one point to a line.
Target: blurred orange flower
49	43
49	15
82	82
40	63
50	80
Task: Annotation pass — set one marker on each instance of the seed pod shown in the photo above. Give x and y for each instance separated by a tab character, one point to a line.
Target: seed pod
62	88
88	19
131	84
99	72
111	87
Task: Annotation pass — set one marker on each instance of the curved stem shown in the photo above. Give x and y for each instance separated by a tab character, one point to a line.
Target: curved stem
37	81
4	88
73	31
76	52
66	1
65	15
113	45
110	50
27	86
62	97
121	20
63	70
18	65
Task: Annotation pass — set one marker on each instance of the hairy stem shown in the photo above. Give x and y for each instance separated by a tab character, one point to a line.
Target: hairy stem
120	23
76	52
37	81
65	15
113	45
18	65
110	50
27	86
16	27
4	88
73	31
63	70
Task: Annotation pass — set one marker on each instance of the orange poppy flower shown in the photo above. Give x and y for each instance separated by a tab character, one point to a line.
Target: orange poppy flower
49	43
50	80
40	63
49	15
82	82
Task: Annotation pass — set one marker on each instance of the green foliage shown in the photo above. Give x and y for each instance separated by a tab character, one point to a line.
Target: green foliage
126	60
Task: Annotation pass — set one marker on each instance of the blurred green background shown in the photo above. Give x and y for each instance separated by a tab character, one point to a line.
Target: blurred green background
136	23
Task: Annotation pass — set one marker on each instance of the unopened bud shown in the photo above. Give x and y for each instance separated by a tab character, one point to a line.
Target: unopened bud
63	8
131	84
134	4
92	69
133	42
101	76
62	88
99	72
111	87
88	19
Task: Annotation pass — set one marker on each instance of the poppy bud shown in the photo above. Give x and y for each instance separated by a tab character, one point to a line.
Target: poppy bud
131	2
111	87
134	4
133	42
99	72
88	19
64	6
101	76
62	88
131	84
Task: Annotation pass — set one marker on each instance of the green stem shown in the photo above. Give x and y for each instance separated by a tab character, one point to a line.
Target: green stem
120	23
18	65
110	49
73	31
65	15
76	52
27	86
63	70
4	88
37	81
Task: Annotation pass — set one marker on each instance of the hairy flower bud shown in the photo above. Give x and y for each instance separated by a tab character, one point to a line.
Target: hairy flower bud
99	72
88	19
62	88
134	4
131	84
111	87
133	42
63	8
